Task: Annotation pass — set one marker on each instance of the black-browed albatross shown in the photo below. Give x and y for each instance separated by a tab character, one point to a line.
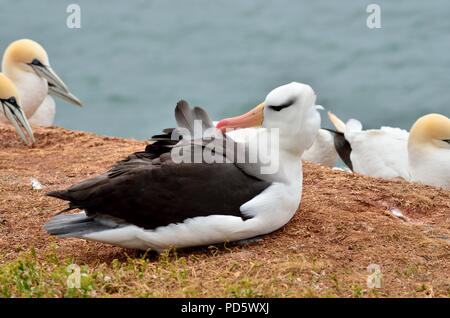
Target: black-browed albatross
149	201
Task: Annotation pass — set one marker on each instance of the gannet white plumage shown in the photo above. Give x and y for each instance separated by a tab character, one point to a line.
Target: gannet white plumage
322	150
45	114
429	150
375	152
27	64
149	201
11	111
421	156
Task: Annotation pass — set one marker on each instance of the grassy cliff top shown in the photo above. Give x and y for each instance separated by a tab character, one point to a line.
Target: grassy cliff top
345	224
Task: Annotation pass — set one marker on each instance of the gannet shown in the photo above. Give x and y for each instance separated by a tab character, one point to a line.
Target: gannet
378	153
149	201
419	156
12	112
429	151
322	150
26	63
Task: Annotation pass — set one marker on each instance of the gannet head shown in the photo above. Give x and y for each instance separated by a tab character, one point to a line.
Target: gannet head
431	130
29	56
10	106
429	150
291	109
22	54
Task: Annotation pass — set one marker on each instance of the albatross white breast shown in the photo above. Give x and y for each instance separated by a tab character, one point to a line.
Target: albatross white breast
150	201
26	63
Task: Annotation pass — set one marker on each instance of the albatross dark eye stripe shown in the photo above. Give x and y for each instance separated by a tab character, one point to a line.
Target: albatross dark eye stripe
282	106
447	141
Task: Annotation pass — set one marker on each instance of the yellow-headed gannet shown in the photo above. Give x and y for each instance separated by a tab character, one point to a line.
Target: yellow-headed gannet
376	152
11	110
429	150
423	155
26	63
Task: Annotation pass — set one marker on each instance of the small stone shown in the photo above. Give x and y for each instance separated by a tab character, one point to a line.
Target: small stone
398	214
35	184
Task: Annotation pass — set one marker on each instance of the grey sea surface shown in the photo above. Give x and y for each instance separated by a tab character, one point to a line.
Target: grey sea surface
131	61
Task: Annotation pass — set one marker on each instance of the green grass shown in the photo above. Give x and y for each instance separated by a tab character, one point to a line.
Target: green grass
214	273
28	277
165	275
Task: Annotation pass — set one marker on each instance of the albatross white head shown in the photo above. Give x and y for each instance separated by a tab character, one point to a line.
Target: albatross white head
289	108
26	63
10	107
290	111
429	150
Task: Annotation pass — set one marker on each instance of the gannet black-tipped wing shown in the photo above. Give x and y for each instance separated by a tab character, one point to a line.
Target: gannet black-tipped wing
343	147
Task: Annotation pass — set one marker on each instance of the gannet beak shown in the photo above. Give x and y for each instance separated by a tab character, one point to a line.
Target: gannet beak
17	117
338	124
56	86
252	118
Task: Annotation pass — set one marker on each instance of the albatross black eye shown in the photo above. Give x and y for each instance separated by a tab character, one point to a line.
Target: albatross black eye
36	62
282	106
447	141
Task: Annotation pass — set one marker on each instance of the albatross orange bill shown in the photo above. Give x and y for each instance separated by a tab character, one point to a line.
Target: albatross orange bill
253	118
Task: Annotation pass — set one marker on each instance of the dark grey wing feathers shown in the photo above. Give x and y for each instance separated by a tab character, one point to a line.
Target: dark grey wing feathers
150	195
200	114
184	115
149	190
75	225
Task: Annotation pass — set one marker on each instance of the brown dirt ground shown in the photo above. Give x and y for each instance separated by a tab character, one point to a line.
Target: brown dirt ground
343	224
